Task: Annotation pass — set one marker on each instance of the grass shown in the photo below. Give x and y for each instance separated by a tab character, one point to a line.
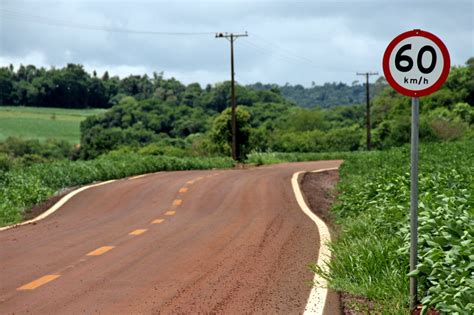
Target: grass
371	252
43	123
260	158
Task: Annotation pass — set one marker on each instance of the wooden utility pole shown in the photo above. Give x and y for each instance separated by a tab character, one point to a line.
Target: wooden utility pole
367	74
232	37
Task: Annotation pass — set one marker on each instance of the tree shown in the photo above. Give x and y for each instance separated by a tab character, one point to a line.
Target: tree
221	132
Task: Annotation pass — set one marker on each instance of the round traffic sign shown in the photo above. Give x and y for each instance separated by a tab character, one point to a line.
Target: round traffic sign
416	63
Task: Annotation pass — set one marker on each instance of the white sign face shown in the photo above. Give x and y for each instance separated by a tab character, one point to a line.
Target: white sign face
416	63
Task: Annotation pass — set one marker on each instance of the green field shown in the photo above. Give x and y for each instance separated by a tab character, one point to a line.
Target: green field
42	123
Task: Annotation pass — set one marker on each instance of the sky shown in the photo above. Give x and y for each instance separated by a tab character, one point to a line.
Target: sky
296	42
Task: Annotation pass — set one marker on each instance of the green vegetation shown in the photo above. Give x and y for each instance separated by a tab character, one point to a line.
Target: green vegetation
166	113
371	252
72	87
22	188
324	96
278	157
42	123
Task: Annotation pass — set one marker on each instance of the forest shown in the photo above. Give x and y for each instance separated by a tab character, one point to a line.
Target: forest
327	95
73	87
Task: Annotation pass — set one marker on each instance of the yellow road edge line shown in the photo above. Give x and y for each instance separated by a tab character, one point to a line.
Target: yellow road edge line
183	190
177	202
38	282
170	212
100	251
157	221
137	232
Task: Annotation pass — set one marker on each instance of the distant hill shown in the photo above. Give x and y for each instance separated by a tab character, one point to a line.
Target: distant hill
324	96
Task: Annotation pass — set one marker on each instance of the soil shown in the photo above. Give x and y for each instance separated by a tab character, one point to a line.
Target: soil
45	205
320	192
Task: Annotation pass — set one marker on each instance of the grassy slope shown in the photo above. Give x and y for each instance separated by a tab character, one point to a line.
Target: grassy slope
42	123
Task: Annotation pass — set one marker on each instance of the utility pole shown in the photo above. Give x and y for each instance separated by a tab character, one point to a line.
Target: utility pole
232	37
367	74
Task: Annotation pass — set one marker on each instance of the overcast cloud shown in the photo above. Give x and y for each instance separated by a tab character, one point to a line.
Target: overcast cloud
289	41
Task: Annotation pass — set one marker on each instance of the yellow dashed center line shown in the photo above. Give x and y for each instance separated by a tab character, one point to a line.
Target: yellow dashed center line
38	282
100	251
137	232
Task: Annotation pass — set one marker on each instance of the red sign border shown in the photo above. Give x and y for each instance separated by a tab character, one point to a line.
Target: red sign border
438	83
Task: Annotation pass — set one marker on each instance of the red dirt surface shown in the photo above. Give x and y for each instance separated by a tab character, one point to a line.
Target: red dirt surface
238	243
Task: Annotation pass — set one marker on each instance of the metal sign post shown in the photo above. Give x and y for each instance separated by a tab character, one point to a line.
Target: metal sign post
416	63
415	106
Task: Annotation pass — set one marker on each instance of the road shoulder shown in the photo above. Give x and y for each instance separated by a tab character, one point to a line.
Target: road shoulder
318	189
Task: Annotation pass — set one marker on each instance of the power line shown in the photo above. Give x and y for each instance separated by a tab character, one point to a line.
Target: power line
287	51
265	52
16	15
284	54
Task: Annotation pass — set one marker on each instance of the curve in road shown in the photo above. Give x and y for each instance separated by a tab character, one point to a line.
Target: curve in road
232	241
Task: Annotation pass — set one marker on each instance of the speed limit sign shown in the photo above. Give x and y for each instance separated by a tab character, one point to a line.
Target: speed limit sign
416	63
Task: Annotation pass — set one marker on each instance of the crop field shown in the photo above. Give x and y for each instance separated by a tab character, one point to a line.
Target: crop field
42	123
371	251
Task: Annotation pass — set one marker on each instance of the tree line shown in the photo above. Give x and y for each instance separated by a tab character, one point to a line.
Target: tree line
73	87
327	95
160	116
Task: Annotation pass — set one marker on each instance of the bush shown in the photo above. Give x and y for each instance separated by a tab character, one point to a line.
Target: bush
22	152
6	163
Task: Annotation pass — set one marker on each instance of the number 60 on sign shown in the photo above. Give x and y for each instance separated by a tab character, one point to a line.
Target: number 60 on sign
416	63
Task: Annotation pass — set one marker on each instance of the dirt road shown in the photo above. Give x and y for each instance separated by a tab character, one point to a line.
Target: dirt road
232	241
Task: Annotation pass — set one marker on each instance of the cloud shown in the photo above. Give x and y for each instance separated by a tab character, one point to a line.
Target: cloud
289	41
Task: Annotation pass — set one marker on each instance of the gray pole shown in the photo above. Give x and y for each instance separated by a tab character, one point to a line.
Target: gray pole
415	104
